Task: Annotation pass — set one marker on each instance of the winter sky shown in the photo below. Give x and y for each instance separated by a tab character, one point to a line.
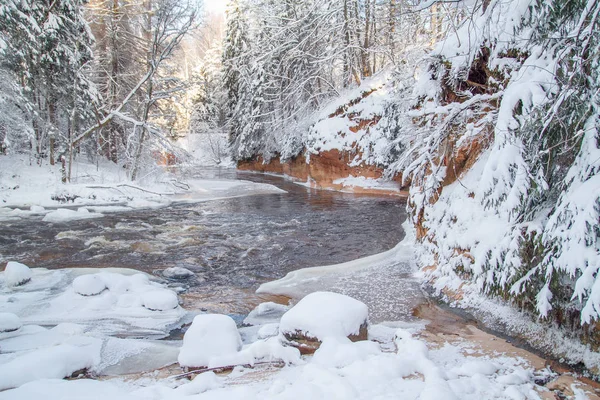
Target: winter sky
215	6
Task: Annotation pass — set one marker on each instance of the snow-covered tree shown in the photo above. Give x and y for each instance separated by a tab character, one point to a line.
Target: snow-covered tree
235	57
516	89
46	44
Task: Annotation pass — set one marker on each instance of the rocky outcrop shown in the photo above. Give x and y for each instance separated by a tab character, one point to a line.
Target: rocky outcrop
308	344
324	315
324	169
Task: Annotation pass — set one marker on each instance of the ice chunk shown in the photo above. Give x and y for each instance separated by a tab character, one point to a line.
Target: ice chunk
37	209
16	274
65	215
324	314
264	313
209	336
160	300
9	322
177	273
89	285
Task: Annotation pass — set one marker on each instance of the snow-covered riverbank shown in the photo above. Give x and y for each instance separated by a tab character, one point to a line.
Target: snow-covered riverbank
26	189
97	323
391	364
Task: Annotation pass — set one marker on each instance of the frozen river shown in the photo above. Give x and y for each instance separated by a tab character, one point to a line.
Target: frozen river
233	245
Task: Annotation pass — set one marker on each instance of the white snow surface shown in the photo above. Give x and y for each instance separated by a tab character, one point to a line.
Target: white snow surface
16	274
159	300
113	301
52	362
29	190
89	285
34	358
210	336
340	369
9	322
337	120
322	315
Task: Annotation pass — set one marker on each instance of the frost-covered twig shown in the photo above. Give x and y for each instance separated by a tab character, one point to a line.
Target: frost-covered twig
276	363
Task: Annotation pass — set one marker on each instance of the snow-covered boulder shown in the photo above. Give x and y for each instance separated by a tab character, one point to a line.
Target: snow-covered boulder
54	362
210	336
265	313
9	322
323	315
159	300
177	273
16	274
89	285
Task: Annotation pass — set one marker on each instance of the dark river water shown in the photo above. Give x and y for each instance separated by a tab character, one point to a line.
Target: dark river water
232	245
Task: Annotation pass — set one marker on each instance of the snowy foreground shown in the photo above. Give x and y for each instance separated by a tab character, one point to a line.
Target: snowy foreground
28	190
101	323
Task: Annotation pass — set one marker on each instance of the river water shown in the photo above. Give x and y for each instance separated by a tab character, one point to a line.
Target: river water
233	245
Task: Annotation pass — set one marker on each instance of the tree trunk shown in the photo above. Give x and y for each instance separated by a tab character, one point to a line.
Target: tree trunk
347	57
149	90
366	67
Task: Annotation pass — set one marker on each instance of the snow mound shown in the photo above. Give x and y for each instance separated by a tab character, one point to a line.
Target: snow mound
9	322
210	336
268	330
16	274
54	362
265	313
160	300
337	352
177	273
200	384
89	285
324	314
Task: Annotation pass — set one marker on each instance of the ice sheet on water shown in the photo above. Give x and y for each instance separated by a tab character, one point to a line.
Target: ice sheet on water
50	299
383	281
131	356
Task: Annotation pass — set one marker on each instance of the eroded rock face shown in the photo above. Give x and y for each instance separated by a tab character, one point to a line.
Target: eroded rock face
323	169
